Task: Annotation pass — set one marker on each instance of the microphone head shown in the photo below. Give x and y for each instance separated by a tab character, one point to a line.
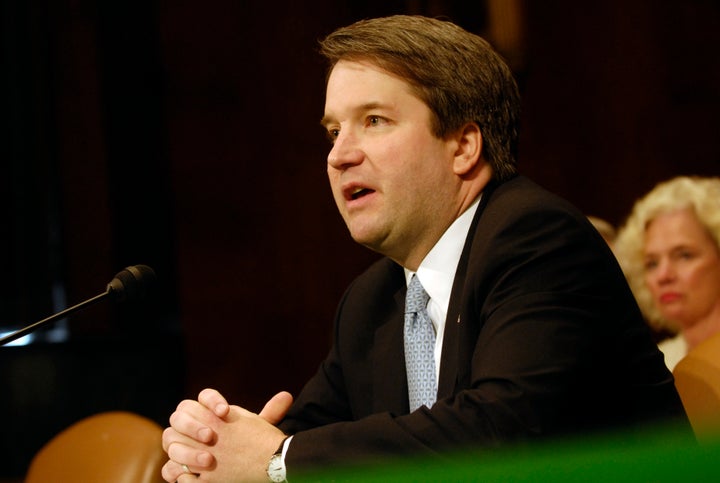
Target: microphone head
133	283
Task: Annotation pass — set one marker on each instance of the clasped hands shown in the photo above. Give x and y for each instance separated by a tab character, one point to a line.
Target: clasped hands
219	442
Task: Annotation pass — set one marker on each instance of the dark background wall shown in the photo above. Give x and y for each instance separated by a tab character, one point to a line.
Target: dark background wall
185	136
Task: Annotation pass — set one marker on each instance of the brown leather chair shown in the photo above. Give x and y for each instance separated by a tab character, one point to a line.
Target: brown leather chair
697	379
110	447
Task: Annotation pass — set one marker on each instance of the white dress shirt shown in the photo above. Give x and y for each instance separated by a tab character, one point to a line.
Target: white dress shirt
437	273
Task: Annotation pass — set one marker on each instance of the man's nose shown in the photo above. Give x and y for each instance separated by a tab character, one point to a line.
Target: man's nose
345	152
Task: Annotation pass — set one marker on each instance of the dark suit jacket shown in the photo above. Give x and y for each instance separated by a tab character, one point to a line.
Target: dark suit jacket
543	338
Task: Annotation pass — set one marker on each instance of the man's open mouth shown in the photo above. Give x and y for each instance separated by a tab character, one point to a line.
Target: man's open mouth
359	193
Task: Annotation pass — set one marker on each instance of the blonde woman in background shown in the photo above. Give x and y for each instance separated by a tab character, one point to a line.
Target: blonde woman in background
669	249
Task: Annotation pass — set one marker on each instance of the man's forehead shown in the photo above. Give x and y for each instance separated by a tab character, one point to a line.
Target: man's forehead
361	87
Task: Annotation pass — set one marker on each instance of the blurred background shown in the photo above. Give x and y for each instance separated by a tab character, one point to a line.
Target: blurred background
185	136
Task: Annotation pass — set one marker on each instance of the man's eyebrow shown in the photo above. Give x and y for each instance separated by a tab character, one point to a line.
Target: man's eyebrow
368	106
325	121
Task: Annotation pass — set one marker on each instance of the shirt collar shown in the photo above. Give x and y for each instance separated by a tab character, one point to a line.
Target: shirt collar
437	270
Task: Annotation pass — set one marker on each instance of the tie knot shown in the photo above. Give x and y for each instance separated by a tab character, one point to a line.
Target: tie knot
416	298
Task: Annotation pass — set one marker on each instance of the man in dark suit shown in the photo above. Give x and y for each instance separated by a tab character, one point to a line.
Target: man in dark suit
527	326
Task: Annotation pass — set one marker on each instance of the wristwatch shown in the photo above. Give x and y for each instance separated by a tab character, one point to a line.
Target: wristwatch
276	470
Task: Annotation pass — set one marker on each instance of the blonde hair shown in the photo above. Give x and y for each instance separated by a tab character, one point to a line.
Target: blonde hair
701	195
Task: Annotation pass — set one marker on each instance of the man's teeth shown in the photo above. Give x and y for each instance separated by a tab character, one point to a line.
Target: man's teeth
359	192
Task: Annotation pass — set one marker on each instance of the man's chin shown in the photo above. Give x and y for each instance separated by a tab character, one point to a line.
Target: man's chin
367	239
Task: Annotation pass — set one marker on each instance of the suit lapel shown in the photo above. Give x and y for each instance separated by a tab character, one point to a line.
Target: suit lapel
449	362
388	365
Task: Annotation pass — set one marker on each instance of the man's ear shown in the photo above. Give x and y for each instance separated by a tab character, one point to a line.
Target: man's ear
469	149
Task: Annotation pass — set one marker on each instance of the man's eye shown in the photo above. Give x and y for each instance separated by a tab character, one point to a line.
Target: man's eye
375	120
332	134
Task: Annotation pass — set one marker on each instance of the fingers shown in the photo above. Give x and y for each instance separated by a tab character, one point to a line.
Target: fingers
168	472
195	421
186	460
276	408
193	425
214	401
175	472
185	451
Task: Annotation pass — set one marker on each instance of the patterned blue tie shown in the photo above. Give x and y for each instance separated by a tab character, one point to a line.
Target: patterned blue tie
419	347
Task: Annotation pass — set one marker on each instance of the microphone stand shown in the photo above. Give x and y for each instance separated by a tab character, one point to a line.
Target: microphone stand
60	315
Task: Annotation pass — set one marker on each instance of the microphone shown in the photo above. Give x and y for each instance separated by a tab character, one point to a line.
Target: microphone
132	283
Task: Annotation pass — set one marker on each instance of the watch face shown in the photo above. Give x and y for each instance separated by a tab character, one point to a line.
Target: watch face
276	469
